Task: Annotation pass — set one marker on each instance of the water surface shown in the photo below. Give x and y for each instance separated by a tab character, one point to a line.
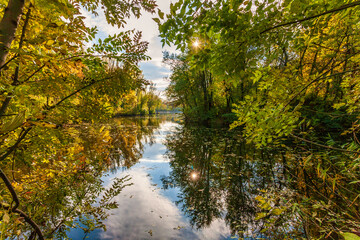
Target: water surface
147	210
197	183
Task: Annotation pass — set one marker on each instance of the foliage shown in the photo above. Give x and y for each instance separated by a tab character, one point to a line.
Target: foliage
56	72
288	71
282	68
277	193
139	102
60	183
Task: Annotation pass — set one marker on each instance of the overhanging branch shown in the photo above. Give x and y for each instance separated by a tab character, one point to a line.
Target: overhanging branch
343	7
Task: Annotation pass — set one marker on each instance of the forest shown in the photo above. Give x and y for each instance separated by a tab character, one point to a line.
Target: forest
281	77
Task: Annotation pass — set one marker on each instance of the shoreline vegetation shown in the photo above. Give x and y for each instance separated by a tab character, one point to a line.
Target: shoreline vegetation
158	112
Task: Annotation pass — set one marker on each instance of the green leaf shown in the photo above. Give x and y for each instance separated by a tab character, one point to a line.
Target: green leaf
156	20
350	236
276	211
161	14
260	215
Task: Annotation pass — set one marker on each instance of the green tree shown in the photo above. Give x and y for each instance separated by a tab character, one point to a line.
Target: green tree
289	72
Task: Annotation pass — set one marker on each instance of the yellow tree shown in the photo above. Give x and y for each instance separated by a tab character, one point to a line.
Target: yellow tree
47	73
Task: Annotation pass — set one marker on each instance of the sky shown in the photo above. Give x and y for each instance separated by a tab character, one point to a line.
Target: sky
153	69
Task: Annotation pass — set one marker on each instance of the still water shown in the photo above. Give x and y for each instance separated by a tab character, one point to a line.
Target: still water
196	183
150	209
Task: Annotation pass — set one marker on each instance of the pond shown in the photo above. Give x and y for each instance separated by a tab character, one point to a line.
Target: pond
152	207
191	182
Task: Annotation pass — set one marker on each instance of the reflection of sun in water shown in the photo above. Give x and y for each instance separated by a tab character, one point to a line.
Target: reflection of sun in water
194	175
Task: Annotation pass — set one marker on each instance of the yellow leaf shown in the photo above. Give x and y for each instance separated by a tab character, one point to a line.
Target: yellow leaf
260	215
276	211
6	218
50	42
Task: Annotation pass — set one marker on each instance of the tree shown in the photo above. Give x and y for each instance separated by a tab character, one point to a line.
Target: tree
48	75
288	70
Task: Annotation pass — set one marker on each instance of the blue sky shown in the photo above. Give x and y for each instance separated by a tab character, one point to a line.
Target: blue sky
153	70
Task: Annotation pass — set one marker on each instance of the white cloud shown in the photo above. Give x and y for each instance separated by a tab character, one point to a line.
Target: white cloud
150	32
160	83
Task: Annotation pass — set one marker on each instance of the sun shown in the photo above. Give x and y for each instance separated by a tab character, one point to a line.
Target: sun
196	44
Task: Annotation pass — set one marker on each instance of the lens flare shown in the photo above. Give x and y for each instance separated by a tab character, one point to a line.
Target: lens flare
196	44
194	175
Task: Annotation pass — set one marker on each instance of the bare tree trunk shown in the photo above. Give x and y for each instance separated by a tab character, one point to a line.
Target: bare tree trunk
8	26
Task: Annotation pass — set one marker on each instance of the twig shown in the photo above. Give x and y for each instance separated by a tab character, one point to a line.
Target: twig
79	90
15	209
318	79
343	7
5	64
27	219
36	71
11	190
12	148
322	145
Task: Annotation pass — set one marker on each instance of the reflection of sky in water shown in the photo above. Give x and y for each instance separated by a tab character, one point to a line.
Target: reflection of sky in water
145	207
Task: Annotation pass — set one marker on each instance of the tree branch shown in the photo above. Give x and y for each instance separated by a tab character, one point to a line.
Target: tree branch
36	71
27	219
8	26
322	145
12	148
5	64
343	7
15	82
11	190
315	80
79	90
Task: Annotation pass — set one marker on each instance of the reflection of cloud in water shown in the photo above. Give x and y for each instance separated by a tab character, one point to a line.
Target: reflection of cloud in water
216	230
142	208
155	160
156	157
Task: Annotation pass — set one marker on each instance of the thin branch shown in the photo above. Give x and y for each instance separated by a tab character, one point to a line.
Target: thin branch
27	219
12	148
5	64
24	27
77	91
343	7
318	79
11	190
36	71
322	145
16	75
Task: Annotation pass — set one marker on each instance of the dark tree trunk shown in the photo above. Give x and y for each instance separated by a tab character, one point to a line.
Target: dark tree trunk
8	26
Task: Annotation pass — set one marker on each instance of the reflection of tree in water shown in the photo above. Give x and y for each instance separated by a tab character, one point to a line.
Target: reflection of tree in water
59	177
129	136
230	175
125	140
